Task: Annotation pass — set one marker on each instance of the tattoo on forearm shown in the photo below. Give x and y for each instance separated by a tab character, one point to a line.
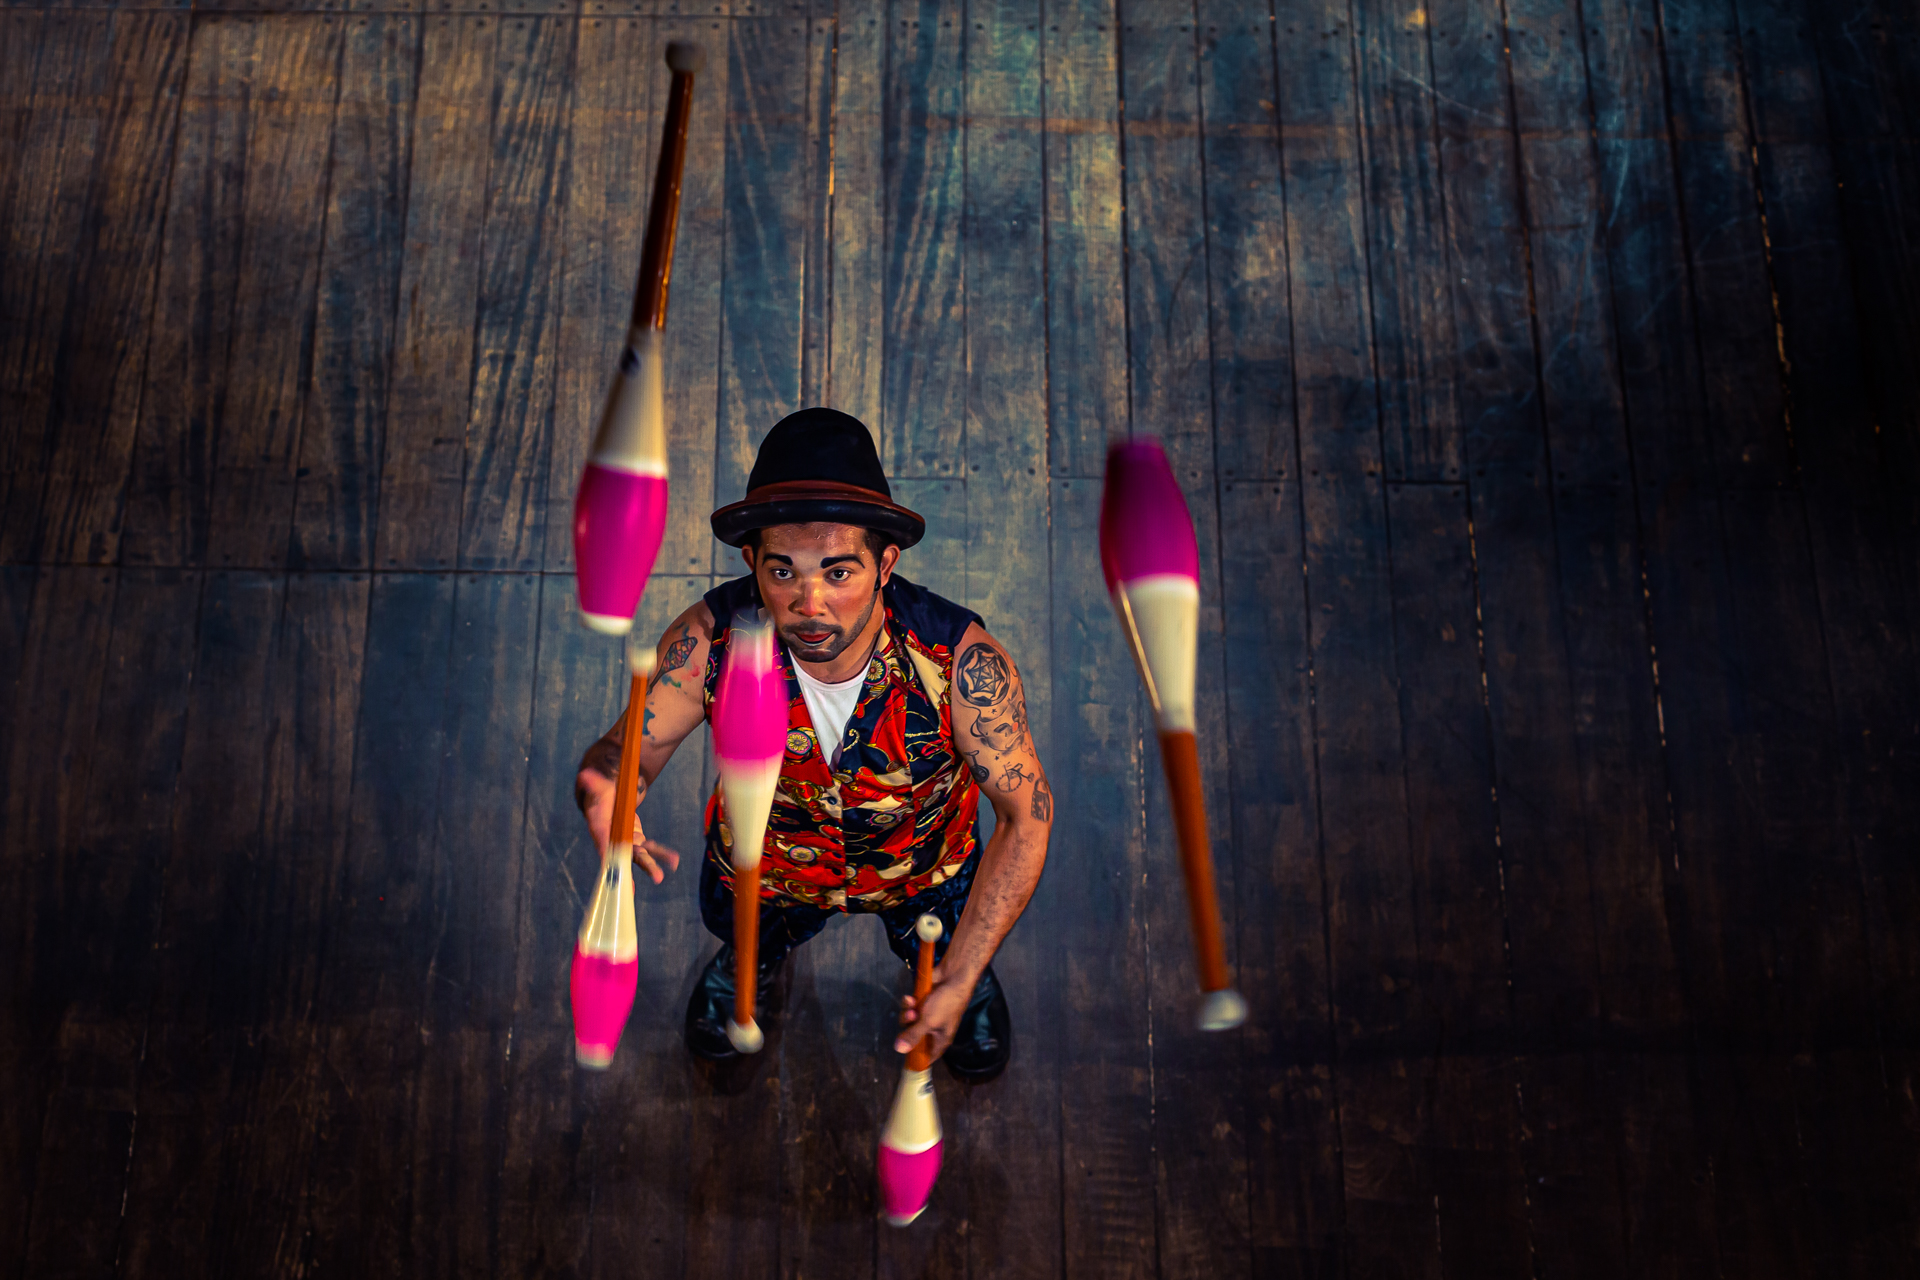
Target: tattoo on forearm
982	677
1042	807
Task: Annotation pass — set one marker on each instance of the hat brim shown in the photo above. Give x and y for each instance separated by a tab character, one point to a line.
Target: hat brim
825	505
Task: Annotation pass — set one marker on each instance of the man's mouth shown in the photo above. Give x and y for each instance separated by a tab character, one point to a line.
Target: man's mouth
813	639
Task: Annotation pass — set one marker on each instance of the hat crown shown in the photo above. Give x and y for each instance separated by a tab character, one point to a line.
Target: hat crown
819	444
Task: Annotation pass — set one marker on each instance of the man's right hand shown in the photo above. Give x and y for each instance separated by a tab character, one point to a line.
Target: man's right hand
593	790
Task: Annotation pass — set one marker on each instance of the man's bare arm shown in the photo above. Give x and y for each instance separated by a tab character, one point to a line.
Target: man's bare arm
989	714
675	707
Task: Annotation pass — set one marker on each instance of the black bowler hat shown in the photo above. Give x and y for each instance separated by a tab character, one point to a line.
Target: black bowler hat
817	465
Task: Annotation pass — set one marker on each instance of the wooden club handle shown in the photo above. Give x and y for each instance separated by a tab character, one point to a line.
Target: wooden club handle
627	783
920	1057
1181	756
656	254
746	942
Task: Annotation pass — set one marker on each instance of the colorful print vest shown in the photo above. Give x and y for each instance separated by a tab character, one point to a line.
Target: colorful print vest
897	816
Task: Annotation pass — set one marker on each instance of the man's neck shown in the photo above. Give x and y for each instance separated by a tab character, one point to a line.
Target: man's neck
854	658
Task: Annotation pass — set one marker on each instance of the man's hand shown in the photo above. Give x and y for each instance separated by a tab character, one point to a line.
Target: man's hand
593	791
946	1003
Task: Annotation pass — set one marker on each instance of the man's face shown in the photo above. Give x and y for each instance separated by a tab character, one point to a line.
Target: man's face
821	584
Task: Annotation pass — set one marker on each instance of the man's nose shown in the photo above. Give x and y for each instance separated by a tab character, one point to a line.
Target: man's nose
811	602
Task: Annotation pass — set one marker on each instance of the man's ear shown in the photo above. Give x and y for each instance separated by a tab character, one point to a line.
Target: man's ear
746	553
889	557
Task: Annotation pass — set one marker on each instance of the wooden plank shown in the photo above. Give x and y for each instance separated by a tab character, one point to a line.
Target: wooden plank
1248	303
644	1141
504	503
20	42
1668	1214
1877	170
254	1031
923	320
1467	1136
336	487
103	346
205	1000
551	1130
290	84
44	225
1290	1123
374	989
1524	658
1611	794
1013	1172
856	363
58	632
1407	251
1086	250
272	1108
694	318
192	307
458	1129
1362	794
612	133
1293	1134
762	304
1864	643
816	354
1107	1225
1099	910
17	586
1199	1152
96	979
1726	239
428	397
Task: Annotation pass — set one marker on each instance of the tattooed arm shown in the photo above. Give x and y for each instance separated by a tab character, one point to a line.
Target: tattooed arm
676	704
989	711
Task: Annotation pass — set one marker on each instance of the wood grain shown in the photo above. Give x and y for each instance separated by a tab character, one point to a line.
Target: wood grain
99	976
421	473
1012	1171
504	510
336	502
613	134
58	634
923	321
43	220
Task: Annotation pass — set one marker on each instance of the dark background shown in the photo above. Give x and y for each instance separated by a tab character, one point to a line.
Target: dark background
1541	377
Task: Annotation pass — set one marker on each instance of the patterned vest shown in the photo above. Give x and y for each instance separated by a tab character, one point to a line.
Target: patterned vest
897	815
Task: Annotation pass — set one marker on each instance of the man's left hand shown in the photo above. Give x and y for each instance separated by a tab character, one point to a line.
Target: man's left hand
941	1017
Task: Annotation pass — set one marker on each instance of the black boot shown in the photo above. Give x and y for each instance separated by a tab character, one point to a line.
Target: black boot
983	1041
711	1005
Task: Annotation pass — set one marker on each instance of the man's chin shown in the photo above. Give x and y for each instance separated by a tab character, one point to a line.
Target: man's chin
826	651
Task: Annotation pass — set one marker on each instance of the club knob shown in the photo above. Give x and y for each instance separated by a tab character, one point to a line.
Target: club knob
685	57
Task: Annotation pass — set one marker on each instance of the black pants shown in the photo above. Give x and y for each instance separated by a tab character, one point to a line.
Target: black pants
785	924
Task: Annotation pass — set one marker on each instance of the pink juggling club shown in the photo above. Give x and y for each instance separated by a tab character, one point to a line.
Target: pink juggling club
1152	566
620	511
749	743
910	1144
606	956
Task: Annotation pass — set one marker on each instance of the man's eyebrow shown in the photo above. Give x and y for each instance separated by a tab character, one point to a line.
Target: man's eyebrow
775	555
829	561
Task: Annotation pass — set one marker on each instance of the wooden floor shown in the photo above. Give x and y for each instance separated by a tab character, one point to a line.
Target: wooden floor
1541	376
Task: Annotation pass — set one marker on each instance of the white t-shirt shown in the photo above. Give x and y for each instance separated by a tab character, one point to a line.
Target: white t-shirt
831	706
